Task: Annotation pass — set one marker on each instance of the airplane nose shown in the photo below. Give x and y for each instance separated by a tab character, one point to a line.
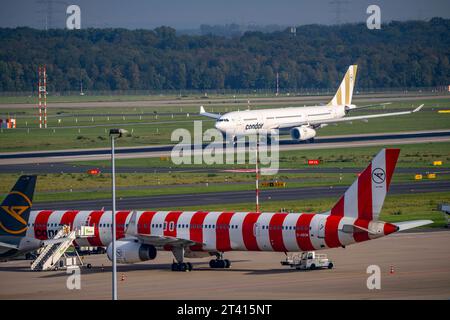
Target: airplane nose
219	126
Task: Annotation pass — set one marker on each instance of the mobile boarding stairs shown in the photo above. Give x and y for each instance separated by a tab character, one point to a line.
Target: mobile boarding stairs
53	256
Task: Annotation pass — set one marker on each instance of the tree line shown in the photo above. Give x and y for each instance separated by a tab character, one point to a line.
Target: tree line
399	55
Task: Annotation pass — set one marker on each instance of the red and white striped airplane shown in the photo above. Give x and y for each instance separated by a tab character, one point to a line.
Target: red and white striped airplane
193	234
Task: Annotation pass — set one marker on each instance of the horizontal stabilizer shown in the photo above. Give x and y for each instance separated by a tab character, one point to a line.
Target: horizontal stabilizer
411	224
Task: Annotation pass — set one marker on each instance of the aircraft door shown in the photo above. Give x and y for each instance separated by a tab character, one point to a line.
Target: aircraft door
256	230
321	228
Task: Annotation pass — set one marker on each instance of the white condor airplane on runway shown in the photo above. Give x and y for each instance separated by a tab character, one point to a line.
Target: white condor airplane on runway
195	234
300	122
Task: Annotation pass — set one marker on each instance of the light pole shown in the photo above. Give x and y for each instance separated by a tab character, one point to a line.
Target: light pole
114	134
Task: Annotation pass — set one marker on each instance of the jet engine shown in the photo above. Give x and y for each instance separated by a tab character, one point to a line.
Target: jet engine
302	133
132	252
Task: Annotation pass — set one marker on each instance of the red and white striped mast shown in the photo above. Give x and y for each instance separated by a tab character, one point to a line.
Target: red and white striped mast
39	97
45	97
42	93
257	174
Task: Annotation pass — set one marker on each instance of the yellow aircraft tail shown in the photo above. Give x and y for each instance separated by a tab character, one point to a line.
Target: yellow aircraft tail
344	94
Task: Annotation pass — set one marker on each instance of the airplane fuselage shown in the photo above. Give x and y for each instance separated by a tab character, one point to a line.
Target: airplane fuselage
250	122
218	231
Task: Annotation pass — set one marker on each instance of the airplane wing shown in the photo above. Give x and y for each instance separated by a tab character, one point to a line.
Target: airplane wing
8	246
370	106
208	114
365	117
159	241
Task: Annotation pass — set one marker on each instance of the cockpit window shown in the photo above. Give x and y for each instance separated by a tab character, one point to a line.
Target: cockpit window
222	120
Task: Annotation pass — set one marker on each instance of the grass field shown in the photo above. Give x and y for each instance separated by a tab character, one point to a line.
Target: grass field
87	127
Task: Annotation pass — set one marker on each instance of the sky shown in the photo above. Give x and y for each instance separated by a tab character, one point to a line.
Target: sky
190	14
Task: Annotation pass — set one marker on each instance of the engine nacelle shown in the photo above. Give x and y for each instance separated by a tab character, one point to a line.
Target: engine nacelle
302	133
132	252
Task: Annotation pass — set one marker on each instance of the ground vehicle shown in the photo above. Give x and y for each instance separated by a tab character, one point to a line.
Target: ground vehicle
308	260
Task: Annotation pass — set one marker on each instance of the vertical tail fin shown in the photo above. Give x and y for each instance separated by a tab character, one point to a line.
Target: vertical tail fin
15	209
344	94
365	198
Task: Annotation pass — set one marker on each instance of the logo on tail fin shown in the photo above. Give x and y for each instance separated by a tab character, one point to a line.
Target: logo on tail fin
378	175
15	212
15	209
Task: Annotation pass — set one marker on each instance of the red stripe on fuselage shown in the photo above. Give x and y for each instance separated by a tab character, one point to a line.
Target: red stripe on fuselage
331	232
276	232
302	233
94	220
121	218
358	234
170	223
248	232
40	225
67	219
195	230
223	242
145	222
365	194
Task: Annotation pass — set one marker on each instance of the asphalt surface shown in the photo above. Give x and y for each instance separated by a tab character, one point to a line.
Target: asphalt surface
60	167
419	261
346	141
201	199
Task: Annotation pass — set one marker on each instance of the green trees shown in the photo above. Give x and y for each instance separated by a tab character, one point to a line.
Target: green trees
401	54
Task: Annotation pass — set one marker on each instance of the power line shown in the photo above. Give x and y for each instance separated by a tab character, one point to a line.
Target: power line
339	7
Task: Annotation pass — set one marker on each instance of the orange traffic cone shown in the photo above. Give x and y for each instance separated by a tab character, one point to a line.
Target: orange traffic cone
391	270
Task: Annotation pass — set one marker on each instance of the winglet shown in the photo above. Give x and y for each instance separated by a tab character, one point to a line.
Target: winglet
418	108
208	114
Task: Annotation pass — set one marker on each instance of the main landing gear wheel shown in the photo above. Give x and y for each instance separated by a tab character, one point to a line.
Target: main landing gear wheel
181	266
220	264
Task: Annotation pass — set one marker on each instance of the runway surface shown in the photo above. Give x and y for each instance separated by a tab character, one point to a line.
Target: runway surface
61	167
202	199
281	100
419	260
342	141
